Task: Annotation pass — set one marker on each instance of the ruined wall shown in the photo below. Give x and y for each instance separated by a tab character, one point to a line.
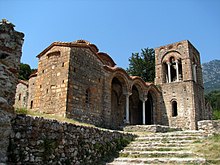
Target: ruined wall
85	90
209	126
21	97
52	81
42	141
10	53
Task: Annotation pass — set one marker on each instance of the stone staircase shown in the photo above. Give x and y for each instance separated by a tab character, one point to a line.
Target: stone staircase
162	148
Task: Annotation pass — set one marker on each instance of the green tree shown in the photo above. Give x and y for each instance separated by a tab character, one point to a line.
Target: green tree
143	64
25	71
213	98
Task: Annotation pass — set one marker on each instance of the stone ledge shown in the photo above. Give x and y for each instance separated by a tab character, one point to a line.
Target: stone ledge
150	128
209	126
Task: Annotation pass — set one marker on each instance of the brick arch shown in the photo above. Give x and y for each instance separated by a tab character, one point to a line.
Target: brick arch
140	85
123	77
119	88
171	60
154	94
166	57
135	100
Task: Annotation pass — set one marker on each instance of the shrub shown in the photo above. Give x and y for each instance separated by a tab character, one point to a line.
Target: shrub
21	111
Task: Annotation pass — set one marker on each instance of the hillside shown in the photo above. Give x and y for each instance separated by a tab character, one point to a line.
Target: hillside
211	75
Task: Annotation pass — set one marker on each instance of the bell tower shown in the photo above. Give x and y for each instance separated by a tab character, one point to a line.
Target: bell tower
179	74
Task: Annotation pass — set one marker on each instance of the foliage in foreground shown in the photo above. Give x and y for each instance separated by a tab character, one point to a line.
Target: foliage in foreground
210	149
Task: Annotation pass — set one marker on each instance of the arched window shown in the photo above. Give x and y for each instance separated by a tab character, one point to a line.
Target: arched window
174	109
194	68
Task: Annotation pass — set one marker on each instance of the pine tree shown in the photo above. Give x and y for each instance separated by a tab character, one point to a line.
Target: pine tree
143	64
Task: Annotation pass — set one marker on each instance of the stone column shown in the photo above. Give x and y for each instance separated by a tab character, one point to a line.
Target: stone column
144	110
169	73
177	71
194	73
127	107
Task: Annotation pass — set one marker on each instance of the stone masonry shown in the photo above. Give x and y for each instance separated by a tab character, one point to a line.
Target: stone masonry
75	80
21	96
10	53
179	74
40	141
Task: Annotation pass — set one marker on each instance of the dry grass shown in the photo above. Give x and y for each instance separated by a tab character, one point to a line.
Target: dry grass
209	148
53	117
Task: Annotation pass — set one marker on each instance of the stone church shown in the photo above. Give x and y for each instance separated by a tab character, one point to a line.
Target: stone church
77	81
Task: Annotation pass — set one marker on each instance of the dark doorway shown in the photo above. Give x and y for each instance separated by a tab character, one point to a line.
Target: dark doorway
117	104
136	117
149	110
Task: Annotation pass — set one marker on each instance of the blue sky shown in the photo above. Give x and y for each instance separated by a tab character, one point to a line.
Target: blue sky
117	27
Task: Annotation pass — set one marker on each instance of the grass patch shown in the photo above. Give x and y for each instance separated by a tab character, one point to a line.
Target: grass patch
21	111
216	114
209	148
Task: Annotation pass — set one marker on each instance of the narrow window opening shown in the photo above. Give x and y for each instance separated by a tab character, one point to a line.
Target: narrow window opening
87	97
31	104
174	109
63	64
19	97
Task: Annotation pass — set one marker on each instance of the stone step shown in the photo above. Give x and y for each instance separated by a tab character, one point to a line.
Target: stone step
162	148
158	144
165	160
147	154
174	135
155	148
163	141
149	138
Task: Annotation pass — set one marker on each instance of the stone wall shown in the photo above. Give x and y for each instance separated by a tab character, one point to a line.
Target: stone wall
50	95
85	94
10	53
209	126
5	131
21	97
43	141
31	91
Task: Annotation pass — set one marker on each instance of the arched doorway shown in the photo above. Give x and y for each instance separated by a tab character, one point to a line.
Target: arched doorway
149	110
136	117
117	103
